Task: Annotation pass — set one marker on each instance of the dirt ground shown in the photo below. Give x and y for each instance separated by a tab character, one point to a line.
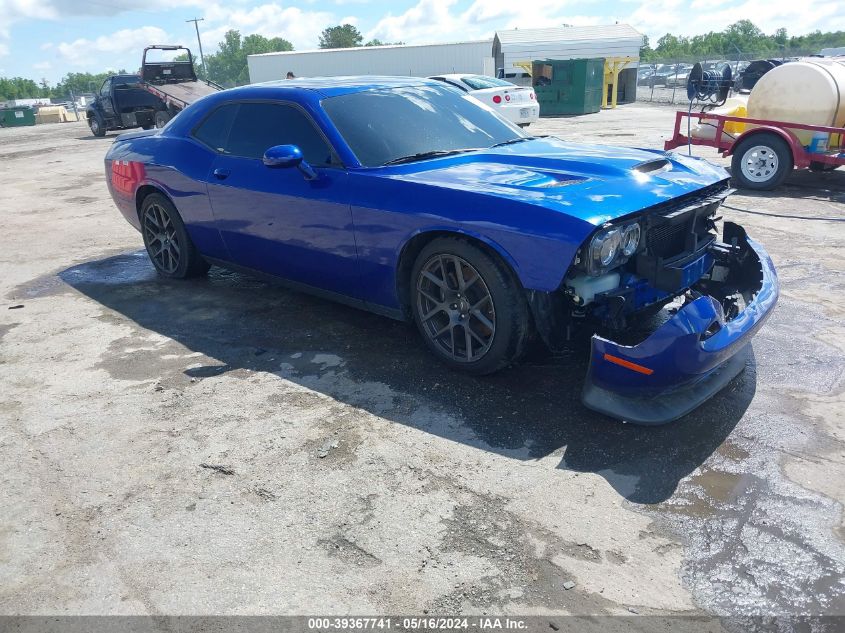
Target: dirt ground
222	446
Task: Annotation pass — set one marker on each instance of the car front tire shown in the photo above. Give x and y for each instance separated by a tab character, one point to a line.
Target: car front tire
469	307
167	241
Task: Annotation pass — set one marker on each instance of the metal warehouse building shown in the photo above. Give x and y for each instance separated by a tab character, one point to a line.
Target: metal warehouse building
417	61
619	41
503	53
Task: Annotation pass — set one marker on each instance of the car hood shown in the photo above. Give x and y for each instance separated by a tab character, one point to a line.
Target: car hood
595	183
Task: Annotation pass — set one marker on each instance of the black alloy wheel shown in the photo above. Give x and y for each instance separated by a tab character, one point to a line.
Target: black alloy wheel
469	306
455	308
160	238
170	248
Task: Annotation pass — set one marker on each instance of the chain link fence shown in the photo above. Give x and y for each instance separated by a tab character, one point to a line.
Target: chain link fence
665	80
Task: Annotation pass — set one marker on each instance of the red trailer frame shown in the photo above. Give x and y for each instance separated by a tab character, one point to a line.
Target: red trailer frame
801	158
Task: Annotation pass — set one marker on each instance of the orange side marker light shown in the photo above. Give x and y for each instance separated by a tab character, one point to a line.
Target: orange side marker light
628	364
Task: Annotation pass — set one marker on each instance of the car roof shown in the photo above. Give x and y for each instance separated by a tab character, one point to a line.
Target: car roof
331	86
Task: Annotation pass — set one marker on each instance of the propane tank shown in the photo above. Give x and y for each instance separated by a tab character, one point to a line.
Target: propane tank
810	91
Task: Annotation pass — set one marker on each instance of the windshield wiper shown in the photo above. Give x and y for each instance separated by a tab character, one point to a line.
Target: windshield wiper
432	154
518	139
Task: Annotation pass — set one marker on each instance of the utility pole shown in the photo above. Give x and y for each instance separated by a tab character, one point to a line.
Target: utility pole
196	22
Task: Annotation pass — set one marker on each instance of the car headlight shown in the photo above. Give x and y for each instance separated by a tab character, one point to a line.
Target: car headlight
604	247
611	247
630	239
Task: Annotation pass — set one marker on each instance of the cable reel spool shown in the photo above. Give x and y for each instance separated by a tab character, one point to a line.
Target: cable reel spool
709	85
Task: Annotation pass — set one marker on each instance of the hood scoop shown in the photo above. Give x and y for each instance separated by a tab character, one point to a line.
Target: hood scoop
652	166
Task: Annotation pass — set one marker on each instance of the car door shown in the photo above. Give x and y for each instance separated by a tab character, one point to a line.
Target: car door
106	102
274	219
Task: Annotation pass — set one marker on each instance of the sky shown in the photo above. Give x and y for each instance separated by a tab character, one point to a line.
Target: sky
49	38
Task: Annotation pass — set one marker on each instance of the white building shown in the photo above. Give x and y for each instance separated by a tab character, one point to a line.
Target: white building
398	60
569	42
564	42
485	57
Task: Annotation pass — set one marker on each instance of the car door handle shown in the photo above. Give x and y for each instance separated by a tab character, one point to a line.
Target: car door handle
221	174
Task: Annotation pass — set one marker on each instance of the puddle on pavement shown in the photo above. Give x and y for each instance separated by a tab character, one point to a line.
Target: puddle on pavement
733	452
123	269
712	493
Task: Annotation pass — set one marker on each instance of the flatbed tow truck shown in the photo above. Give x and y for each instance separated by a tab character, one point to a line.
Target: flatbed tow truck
174	82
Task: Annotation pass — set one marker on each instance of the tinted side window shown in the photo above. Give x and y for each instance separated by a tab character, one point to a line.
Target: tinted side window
215	129
260	126
106	87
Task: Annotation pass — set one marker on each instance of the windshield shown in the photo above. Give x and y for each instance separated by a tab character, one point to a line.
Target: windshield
383	125
477	82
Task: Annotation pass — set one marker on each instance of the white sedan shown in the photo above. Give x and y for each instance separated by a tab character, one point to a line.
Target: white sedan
515	103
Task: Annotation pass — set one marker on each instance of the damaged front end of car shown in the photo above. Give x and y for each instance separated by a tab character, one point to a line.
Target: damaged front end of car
675	305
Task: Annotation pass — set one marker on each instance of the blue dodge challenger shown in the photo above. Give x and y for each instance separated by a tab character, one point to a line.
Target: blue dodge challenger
409	199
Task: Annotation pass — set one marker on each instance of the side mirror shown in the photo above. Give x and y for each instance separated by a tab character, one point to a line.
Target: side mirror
283	156
288	156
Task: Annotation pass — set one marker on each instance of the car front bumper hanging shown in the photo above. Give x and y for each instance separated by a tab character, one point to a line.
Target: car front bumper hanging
691	356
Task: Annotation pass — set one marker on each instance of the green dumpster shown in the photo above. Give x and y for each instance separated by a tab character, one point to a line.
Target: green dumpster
571	86
17	116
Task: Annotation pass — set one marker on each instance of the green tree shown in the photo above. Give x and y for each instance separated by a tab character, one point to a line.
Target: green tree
18	88
228	65
343	36
378	42
646	52
79	83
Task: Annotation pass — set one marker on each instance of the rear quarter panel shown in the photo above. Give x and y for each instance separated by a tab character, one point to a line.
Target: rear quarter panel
176	166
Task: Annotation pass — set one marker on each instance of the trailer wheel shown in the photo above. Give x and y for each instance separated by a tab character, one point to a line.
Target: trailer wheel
162	117
761	162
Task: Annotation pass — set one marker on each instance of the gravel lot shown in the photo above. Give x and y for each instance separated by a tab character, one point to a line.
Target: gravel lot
223	446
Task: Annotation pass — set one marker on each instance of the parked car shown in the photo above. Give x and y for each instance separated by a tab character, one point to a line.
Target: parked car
516	103
679	76
656	75
752	73
405	198
122	104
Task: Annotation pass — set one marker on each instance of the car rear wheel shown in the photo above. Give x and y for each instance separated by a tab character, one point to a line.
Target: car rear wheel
761	162
168	244
469	307
97	128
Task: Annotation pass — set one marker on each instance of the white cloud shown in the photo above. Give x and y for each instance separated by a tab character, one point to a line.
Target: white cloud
42	65
301	28
508	14
85	52
439	20
427	21
15	11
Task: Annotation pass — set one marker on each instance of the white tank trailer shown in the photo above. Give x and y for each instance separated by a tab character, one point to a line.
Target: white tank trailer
810	91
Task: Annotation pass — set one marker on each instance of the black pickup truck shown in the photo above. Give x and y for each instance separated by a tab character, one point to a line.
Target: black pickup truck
122	104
